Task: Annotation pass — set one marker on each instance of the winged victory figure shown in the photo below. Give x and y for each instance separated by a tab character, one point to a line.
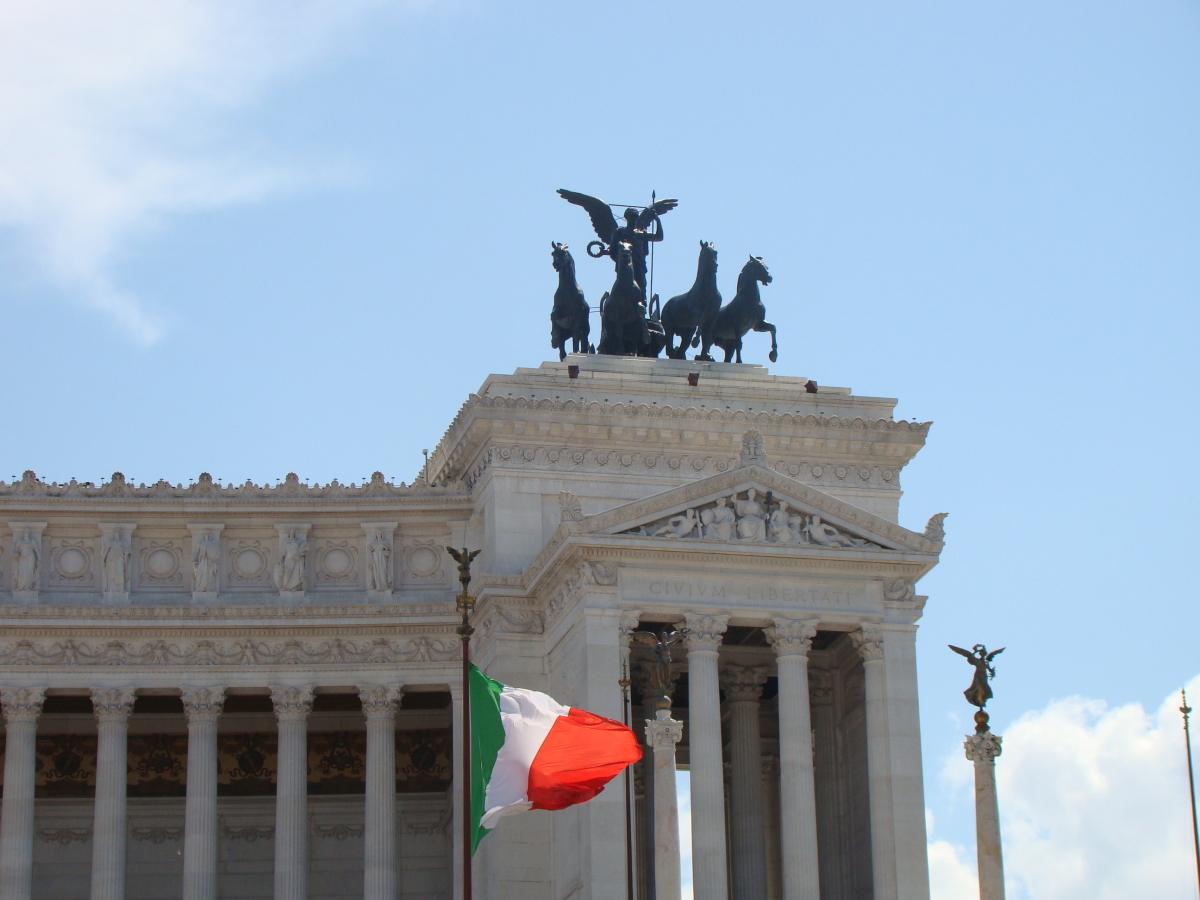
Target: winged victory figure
632	232
980	692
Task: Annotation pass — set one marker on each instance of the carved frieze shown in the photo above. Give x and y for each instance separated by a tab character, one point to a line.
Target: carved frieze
337	563
160	564
423	560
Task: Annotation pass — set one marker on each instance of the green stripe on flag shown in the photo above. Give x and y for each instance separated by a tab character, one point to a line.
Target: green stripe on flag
487	736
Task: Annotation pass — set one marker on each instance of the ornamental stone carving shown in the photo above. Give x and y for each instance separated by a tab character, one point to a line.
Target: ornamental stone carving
203	704
983	748
630	619
292	703
791	637
743	683
156	835
868	640
820	687
498	619
64	835
599	573
899	590
754	450
27	558
664	733
115	554
570	508
206	558
22	704
380	543
289	572
339	832
934	529
249	834
113	704
703	633
379	700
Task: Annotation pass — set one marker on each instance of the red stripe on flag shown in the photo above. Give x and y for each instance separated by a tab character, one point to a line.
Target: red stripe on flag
581	754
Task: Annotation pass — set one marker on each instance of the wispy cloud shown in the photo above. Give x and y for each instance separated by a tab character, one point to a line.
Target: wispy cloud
115	115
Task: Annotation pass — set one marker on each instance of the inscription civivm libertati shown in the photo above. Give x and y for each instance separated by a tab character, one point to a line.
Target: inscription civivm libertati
808	595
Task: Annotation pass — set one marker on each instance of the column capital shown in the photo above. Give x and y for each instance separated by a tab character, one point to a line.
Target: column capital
983	748
663	734
743	683
703	632
791	637
292	704
630	619
22	704
113	704
379	700
868	640
202	704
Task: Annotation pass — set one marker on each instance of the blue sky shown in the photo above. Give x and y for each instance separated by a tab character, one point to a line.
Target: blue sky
257	238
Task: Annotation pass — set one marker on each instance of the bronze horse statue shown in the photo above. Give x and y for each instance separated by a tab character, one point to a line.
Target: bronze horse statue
744	312
692	315
658	338
570	316
623	311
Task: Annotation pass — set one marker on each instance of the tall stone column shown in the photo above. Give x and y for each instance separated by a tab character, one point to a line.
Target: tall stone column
869	641
791	639
22	706
982	749
771	790
292	706
645	885
379	834
825	765
203	707
747	828
662	734
112	707
709	869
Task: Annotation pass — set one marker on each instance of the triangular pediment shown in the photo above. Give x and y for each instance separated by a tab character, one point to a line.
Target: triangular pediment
755	505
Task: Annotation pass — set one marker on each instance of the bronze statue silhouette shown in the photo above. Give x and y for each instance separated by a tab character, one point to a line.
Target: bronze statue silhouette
623	327
654	327
692	315
660	675
980	692
633	232
744	312
570	316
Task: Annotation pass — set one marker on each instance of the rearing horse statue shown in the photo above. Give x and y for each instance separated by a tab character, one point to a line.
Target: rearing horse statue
623	311
570	315
744	312
695	311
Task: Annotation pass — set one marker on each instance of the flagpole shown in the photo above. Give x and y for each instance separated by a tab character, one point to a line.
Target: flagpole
624	683
1187	736
465	603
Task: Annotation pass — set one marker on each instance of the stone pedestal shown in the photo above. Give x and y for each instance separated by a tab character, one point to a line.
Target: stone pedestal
982	750
203	707
112	707
22	706
747	830
662	734
709	871
379	831
292	706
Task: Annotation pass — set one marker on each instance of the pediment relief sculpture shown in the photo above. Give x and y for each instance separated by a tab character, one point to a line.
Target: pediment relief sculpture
752	517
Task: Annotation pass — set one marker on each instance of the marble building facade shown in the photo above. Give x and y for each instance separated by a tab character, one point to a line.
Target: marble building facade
244	691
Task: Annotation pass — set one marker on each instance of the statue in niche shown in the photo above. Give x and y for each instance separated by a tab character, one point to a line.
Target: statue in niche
719	522
27	561
204	563
779	525
114	560
752	519
289	571
379	563
679	526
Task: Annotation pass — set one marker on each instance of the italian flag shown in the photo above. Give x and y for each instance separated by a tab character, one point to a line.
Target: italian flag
528	751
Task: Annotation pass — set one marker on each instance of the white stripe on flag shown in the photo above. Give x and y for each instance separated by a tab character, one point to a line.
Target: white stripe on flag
528	717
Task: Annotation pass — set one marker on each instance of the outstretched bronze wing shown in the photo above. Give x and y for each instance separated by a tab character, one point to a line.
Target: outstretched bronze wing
655	209
460	558
994	653
961	652
601	214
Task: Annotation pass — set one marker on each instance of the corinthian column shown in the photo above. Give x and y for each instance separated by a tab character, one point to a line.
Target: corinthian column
982	749
379	835
709	870
869	641
203	706
22	706
662	734
112	707
743	688
292	706
791	639
825	763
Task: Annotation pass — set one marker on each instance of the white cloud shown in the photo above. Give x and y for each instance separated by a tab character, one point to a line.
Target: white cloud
1094	806
116	114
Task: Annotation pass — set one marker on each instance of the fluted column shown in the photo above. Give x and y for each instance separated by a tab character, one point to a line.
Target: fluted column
709	869
22	706
825	764
869	641
642	681
743	688
791	639
379	835
203	707
982	749
630	620
662	734
292	706
112	707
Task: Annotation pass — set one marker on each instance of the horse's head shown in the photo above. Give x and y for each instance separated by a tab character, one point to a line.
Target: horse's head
559	255
708	256
757	270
